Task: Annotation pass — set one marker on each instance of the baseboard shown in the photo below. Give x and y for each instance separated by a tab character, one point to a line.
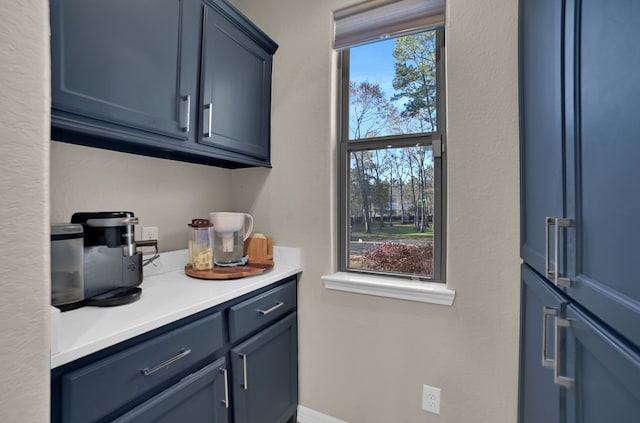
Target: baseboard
307	415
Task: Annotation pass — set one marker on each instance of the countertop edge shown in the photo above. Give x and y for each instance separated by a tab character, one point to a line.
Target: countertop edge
78	337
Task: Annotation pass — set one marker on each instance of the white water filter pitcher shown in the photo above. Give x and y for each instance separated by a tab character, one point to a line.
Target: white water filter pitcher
230	230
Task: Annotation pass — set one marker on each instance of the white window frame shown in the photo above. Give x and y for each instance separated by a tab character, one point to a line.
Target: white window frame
430	290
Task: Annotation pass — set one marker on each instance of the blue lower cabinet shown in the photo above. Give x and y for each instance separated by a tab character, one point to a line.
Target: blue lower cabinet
602	371
265	383
540	398
573	368
202	397
100	389
182	373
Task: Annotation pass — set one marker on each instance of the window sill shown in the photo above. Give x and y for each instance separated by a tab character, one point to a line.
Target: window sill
384	286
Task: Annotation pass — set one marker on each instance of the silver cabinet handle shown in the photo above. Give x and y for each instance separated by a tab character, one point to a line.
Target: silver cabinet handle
172	360
226	388
209	115
185	112
269	310
548	221
559	281
244	369
555	273
546	312
563	381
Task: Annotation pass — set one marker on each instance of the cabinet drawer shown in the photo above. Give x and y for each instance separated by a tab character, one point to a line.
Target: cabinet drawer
198	398
92	392
259	311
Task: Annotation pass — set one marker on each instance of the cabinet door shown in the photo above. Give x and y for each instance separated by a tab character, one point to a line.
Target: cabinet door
96	391
604	137
265	375
605	373
202	397
132	64
540	399
235	88
541	124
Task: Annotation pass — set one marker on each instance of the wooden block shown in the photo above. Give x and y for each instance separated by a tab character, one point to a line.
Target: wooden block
259	247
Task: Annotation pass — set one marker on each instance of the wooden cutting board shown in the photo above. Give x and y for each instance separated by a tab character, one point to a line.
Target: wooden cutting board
230	272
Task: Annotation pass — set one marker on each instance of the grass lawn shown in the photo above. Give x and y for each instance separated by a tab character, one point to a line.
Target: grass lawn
395	231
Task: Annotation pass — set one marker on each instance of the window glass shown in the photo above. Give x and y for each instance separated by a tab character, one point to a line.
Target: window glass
391	177
392	87
391	210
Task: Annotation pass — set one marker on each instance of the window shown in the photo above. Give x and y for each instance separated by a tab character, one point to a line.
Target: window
391	157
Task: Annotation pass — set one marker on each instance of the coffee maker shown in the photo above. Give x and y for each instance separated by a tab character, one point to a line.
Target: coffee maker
112	266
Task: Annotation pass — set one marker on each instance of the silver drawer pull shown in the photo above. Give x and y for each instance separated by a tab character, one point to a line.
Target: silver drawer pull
172	360
269	310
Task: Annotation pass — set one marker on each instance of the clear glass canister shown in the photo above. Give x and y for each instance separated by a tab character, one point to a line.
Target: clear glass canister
67	261
201	244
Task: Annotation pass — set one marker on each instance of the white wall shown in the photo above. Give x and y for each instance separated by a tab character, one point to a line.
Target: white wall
162	193
364	359
24	211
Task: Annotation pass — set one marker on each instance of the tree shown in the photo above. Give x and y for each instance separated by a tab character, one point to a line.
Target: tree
381	187
358	159
415	77
371	112
399	169
370	116
378	174
420	165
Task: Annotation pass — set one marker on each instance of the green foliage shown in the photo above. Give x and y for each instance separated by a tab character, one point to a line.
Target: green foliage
415	77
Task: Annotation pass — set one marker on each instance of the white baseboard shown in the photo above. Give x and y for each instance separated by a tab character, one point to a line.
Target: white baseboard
307	415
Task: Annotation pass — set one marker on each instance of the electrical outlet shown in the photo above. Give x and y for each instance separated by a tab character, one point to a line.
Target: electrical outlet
149	233
431	399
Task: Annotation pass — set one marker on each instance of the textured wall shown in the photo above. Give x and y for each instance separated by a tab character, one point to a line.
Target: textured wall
364	359
24	211
162	193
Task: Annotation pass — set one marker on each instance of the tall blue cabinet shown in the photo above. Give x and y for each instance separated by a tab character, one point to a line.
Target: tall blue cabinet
579	139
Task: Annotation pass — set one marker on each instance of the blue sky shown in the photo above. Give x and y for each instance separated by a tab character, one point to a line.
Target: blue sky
374	63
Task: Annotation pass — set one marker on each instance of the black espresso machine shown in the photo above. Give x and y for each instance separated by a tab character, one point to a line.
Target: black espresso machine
112	266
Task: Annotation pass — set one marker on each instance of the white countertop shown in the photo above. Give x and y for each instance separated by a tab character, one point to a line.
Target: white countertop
167	296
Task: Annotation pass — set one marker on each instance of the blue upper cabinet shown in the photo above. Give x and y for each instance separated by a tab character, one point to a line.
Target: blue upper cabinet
235	92
127	63
127	76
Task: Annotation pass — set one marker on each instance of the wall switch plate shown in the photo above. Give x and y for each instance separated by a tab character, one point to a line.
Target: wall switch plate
149	233
431	399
